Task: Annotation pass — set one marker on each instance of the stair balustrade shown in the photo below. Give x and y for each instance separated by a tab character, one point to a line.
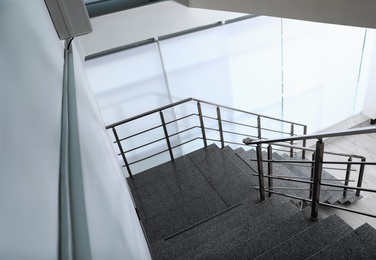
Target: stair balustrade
317	165
217	124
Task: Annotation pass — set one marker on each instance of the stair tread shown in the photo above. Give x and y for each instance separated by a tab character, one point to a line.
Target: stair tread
250	228
359	244
311	240
269	238
247	210
327	196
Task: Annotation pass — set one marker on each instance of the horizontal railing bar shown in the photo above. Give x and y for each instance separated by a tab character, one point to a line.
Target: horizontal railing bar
209	117
197	100
185	130
287	161
214	140
181	118
356	163
286	179
211	129
353	131
346	209
194	139
313	150
348	187
148	157
275	131
138	147
236	123
305	178
296	163
139	133
234	133
286	195
289	188
149	112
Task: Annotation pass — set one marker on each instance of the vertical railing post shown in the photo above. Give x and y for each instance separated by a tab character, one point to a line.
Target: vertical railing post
259	127
348	171
319	154
166	135
292	142
260	172
360	177
122	152
312	175
304	142
202	124
220	128
270	170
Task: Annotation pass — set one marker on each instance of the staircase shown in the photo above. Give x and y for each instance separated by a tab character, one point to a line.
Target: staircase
204	205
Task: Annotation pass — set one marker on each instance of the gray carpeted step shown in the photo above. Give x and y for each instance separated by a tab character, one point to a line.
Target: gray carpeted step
310	241
327	193
240	234
298	189
223	174
269	238
359	244
200	234
232	154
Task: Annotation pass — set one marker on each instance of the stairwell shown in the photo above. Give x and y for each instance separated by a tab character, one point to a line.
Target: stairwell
204	205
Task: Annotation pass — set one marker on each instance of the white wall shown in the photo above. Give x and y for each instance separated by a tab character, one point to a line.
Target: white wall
113	225
31	72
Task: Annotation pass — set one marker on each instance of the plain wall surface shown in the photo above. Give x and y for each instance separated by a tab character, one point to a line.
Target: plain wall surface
31	73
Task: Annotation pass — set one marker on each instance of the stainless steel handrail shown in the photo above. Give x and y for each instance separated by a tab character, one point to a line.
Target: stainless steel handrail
221	128
312	150
354	131
197	100
317	165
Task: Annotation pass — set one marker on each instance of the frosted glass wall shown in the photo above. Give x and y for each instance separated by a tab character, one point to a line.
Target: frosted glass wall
321	65
298	71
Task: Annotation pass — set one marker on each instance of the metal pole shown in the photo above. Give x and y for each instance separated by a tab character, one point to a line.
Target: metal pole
312	176
220	128
360	178
304	142
292	142
317	180
270	169
260	172
202	124
259	127
348	171
122	152
166	135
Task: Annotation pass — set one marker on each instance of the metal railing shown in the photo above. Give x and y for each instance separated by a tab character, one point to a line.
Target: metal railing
216	123
316	164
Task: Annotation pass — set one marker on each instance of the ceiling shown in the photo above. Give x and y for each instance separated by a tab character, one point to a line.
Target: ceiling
103	7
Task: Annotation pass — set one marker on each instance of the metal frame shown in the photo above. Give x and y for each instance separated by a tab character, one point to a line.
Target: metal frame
317	166
223	133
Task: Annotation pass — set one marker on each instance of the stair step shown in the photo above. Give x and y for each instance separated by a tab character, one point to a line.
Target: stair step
223	174
359	244
241	164
310	241
269	238
240	234
191	239
327	194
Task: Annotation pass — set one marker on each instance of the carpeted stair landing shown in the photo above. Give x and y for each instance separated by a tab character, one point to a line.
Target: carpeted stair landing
204	206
